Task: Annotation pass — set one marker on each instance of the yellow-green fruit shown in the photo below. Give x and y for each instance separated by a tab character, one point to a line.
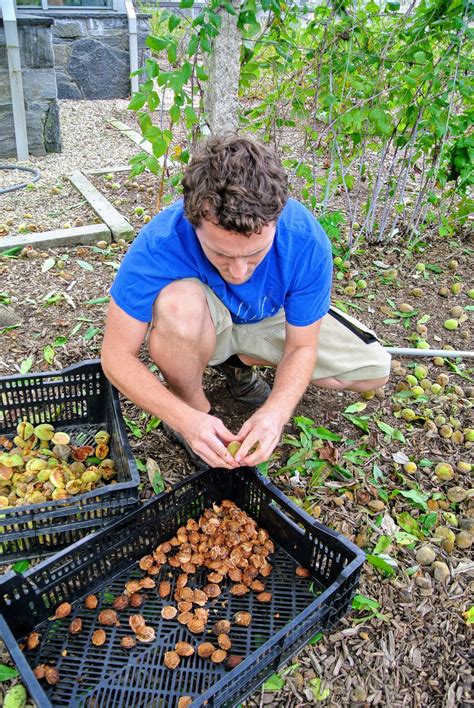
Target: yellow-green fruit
102	437
417	391
456	288
469	434
350	290
470	294
457	494
420	267
408	414
446	431
405	307
422	344
430	426
361	284
412	380
60	439
367	395
417	292
43	475
44	432
74	486
338	261
464	540
59	493
91	475
36	465
453	264
25	430
410	467
443	291
4	502
425	384
442	379
444	471
391	275
19	442
457	437
15	697
438	361
422	329
447	538
57	477
77	468
233	447
436	388
463	466
451	324
421	372
399	371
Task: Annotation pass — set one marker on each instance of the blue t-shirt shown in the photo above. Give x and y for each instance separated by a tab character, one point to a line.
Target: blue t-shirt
295	274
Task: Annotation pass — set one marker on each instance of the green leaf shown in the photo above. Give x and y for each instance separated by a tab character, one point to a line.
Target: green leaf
358	421
152	424
469	615
392	433
157	43
325	434
409	524
21	565
133	427
356	407
381	564
91	333
201	73
137	101
26	365
317	638
185	4
363	603
158	483
48	264
175	113
7	673
274	683
173	23
98	300
85	265
320	692
382	544
48	354
417	498
59	341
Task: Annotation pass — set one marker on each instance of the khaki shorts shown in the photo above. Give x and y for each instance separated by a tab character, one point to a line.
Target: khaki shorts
347	349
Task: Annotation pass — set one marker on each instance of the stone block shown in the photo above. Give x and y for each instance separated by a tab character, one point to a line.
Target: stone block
39	85
52	130
66	87
5	91
7	134
62	54
70	29
3	50
36	47
99	70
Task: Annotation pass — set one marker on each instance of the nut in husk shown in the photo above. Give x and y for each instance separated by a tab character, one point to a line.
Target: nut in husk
146	635
99	638
76	626
218	656
91	602
242	619
15	697
205	650
128	642
51	675
184	649
32	640
224	642
171	660
62	611
108	617
221	627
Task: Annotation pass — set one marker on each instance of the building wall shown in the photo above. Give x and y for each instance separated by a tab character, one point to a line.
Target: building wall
91	54
39	84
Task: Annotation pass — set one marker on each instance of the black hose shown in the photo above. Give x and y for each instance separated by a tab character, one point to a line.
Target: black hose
36	175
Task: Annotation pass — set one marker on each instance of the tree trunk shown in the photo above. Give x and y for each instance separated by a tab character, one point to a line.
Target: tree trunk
222	86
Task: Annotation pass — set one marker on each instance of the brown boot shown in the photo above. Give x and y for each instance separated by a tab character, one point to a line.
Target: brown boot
244	384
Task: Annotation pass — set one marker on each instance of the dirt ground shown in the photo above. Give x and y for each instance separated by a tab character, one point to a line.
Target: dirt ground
410	646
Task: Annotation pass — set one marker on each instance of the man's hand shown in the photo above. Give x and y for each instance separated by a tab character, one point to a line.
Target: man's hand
208	437
262	431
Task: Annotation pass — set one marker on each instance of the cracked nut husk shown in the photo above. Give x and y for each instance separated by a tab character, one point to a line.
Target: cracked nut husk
99	638
221	627
128	642
169	612
63	610
51	675
243	619
171	660
91	602
108	617
76	626
32	640
218	656
205	650
184	649
137	623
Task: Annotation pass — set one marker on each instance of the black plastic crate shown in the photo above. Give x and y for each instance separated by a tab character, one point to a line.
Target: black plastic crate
110	677
79	400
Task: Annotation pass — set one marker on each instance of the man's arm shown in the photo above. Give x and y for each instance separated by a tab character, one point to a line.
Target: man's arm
123	338
293	375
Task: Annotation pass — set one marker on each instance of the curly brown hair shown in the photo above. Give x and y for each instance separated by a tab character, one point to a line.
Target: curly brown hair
236	182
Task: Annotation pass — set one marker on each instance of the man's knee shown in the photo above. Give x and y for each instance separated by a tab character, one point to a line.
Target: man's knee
181	307
366	384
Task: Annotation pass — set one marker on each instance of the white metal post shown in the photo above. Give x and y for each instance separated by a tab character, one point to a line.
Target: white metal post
132	43
16	78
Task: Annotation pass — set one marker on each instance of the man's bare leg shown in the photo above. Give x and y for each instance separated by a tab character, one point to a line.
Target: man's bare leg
182	340
329	382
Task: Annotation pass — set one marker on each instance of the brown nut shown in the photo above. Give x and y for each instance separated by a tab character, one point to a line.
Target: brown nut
239	589
185	606
136	600
63	610
242	619
99	637
132	586
200	598
212	590
164	589
91	602
185	617
51	675
264	597
185	702
137	623
184	649
202	614
146	634
108	617
171	660
224	641
32	640
39	671
181	581
147	583
121	602
233	660
76	626
127	642
205	650
221	627
302	572
235	574
257	586
218	656
169	612
215	578
187	594
146	562
266	570
196	626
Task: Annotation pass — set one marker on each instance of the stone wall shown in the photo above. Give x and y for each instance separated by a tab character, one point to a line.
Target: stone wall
91	54
39	84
